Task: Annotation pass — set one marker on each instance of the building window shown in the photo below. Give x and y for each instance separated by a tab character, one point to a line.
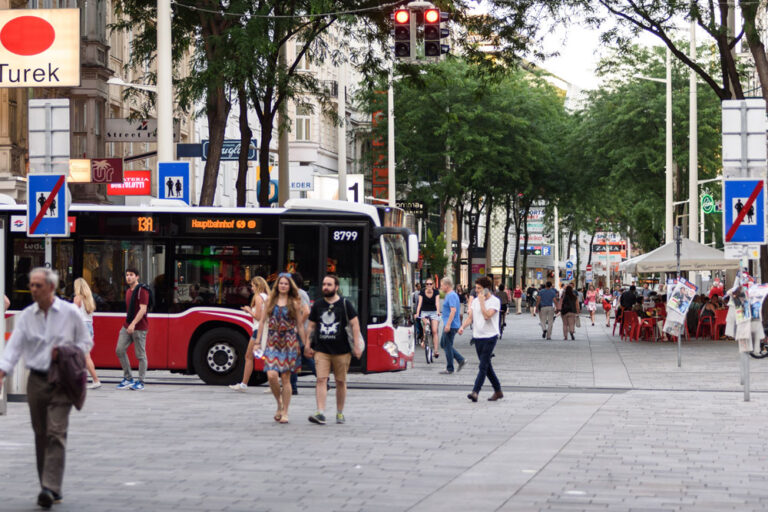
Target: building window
303	64
302	123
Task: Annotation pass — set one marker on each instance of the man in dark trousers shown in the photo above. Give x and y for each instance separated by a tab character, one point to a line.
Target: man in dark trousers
40	329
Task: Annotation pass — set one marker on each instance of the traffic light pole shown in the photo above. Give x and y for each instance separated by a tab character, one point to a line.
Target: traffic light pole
391	140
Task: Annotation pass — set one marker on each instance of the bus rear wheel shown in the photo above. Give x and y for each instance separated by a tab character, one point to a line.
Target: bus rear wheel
219	356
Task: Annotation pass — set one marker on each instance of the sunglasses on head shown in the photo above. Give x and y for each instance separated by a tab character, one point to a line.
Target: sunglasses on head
284	274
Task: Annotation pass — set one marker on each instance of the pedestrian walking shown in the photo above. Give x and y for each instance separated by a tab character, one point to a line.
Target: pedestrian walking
484	318
283	318
133	331
83	299
330	345
569	311
518	296
501	294
530	295
451	306
43	332
607	303
418	331
546	301
591	302
260	289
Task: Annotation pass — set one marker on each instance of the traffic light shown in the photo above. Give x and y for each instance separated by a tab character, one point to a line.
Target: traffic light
403	25
434	33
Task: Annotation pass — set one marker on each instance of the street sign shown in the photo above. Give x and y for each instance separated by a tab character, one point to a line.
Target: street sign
39	48
48	129
590	276
230	150
744	127
707	203
589	268
568	275
173	181
744	215
539	275
568	264
739	251
47	205
135	183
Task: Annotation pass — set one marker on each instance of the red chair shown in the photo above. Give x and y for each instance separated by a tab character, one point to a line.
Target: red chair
647	329
720	316
705	323
616	322
630	326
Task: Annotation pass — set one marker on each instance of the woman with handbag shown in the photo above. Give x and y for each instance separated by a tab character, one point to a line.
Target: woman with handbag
607	300
283	319
259	287
569	310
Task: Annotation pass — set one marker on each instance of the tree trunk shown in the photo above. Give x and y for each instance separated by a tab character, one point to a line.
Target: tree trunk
525	239
265	140
459	240
487	242
507	225
591	241
517	276
245	142
218	111
577	271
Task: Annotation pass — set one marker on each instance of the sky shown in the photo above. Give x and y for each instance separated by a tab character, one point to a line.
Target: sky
579	51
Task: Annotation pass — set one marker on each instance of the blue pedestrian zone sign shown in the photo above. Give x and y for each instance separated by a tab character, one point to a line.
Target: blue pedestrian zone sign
569	275
744	211
173	181
47	205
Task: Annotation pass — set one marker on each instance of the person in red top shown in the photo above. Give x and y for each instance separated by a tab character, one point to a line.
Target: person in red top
134	331
717	289
518	295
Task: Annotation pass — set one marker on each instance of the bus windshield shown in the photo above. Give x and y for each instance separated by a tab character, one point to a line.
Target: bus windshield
401	274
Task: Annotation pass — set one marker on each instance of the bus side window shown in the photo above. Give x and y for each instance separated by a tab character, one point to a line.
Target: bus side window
378	288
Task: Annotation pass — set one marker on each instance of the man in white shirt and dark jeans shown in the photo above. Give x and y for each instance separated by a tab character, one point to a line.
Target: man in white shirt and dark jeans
40	328
484	317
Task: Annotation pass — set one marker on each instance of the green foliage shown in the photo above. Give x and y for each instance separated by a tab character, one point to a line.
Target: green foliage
616	148
434	253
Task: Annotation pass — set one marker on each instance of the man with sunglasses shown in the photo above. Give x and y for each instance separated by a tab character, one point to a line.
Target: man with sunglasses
42	327
329	318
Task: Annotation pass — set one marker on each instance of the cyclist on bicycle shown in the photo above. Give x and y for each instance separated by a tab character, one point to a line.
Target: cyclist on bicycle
426	309
501	294
417	330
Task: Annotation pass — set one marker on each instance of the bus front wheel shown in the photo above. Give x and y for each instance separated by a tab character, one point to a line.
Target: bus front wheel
219	356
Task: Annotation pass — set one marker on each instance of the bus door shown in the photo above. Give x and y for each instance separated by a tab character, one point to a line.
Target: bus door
337	247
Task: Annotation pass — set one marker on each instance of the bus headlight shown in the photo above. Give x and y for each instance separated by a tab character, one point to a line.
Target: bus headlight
391	348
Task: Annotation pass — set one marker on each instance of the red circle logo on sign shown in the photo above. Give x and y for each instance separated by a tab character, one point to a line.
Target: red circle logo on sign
27	35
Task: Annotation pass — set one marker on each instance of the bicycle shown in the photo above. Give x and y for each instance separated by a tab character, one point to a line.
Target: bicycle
426	340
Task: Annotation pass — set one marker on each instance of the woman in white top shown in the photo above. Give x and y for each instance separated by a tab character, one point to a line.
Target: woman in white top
260	289
83	299
484	317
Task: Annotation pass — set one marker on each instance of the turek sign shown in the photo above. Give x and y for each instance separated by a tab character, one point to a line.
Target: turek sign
40	48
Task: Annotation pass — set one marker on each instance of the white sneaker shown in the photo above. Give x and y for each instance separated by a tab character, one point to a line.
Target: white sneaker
239	387
94	385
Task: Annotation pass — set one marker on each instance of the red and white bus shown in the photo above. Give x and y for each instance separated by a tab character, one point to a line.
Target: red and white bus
199	262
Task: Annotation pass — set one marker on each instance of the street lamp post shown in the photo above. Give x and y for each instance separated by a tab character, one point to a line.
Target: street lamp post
165	151
668	207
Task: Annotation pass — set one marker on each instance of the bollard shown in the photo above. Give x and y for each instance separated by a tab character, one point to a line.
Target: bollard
745	366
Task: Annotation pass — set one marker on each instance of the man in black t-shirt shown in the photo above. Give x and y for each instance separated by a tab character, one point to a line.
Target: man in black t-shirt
328	318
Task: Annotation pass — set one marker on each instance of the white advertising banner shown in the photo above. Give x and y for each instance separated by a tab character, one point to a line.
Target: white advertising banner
40	48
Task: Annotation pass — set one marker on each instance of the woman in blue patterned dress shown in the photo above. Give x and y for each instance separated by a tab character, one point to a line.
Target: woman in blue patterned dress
283	316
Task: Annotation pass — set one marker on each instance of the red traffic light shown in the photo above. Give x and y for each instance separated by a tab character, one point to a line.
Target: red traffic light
402	16
432	16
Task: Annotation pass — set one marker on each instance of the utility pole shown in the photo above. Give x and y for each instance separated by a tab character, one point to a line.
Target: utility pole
668	211
342	132
283	169
165	152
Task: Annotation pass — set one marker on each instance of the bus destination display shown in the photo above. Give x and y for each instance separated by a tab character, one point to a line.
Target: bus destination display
229	225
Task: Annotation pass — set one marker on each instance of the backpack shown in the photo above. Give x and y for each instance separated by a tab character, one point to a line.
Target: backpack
132	306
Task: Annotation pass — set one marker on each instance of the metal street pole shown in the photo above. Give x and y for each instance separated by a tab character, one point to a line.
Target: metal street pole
283	170
693	151
342	132
391	141
165	151
557	251
668	218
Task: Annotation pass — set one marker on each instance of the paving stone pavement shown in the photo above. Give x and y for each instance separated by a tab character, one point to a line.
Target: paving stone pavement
595	424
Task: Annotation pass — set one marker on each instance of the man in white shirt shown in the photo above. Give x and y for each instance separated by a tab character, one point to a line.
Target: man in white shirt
484	317
40	328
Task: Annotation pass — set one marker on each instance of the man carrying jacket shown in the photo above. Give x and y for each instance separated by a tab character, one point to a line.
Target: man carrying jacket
42	327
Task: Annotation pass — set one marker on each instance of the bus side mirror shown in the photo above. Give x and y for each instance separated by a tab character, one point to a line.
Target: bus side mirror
413	248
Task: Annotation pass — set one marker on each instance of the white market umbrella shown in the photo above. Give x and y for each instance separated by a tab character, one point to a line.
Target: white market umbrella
693	256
